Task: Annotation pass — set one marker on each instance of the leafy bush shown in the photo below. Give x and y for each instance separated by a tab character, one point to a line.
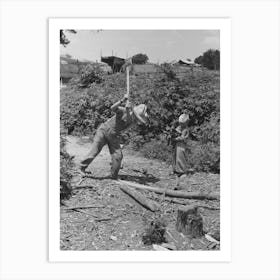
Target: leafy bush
168	70
158	149
91	73
155	233
209	59
140	58
200	157
166	96
203	157
66	164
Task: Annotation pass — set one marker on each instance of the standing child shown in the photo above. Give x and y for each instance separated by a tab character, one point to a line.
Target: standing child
109	133
180	156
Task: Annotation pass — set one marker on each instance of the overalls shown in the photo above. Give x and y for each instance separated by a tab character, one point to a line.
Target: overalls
180	155
109	133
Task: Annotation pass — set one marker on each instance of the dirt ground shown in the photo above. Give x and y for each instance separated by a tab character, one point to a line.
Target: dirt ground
115	221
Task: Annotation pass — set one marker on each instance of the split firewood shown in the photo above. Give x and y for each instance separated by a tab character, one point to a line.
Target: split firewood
141	199
188	195
171	236
159	248
212	245
211	239
169	246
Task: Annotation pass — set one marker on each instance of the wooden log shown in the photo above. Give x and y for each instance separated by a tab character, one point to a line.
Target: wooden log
142	200
189	221
188	195
174	200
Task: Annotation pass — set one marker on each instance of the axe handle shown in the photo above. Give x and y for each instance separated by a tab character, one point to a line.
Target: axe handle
127	81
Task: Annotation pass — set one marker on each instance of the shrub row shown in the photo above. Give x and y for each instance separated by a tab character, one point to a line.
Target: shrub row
84	109
66	164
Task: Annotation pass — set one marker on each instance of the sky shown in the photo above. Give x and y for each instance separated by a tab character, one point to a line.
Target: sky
159	45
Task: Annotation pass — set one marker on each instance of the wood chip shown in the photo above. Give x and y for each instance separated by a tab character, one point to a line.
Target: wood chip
169	246
114	238
159	248
211	239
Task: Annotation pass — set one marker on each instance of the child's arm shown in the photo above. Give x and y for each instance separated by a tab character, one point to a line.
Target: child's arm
128	109
118	104
184	135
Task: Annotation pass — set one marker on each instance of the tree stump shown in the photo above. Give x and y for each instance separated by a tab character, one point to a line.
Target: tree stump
189	221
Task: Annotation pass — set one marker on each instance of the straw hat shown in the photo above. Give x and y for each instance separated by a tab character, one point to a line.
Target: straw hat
184	118
140	112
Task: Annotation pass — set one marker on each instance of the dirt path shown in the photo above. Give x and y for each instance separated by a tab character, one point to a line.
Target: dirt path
117	222
133	163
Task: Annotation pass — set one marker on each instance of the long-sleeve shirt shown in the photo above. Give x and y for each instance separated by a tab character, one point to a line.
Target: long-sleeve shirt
121	121
180	155
184	134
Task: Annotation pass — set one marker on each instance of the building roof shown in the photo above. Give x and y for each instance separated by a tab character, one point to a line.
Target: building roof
187	62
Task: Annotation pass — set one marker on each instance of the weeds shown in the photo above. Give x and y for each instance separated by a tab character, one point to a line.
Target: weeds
66	165
155	233
197	93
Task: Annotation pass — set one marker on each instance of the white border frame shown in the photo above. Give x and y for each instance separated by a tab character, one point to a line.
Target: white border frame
55	254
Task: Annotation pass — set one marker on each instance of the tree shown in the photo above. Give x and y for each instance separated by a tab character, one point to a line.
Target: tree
140	58
63	39
199	59
210	59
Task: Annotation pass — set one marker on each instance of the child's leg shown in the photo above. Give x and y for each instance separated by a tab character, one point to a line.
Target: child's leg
117	156
178	180
98	143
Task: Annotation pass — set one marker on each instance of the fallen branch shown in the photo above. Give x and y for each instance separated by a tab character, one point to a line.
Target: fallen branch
97	219
84	207
91	176
208	207
81	211
83	186
188	195
176	201
80	182
142	200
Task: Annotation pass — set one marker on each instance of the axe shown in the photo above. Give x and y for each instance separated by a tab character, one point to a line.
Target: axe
128	62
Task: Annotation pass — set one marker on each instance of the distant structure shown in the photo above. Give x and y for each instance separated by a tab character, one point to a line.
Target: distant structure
119	64
187	62
114	62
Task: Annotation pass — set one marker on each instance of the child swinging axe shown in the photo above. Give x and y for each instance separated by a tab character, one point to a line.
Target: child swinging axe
126	65
109	132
